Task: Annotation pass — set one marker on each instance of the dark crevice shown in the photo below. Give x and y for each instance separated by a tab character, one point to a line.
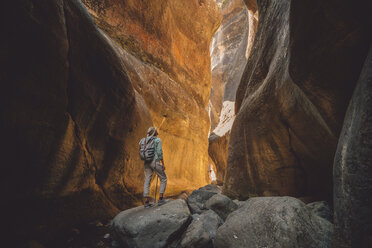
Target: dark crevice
297	158
69	110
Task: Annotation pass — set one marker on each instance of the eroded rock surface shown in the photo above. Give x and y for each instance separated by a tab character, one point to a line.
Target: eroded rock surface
197	199
322	209
72	120
292	98
172	35
353	168
202	230
153	227
274	222
166	55
221	204
230	49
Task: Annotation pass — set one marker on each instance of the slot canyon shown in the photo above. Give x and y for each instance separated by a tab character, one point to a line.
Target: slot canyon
263	108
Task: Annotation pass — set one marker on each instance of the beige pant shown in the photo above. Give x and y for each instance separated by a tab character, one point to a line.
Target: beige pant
150	167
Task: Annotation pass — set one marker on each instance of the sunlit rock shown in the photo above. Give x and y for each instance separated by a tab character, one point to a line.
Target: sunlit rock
166	54
229	53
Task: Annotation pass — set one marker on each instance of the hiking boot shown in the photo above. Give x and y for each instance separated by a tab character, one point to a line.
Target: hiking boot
162	201
148	204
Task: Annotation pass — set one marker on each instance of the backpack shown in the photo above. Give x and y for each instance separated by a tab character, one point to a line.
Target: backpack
147	148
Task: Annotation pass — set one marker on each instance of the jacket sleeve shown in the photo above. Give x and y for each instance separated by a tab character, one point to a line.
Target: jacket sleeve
158	148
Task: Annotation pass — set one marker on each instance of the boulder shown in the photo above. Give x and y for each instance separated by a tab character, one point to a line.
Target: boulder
212	188
197	199
291	101
202	230
274	222
322	209
221	204
152	227
239	203
353	168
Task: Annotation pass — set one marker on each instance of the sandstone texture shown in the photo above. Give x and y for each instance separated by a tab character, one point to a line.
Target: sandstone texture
322	209
274	222
153	227
166	55
196	201
221	204
202	230
353	168
71	120
76	104
230	49
172	35
293	96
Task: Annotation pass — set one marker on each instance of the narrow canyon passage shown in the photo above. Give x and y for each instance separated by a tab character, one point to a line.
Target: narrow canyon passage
265	102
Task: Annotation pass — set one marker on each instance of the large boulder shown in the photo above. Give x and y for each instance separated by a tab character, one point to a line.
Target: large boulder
353	168
274	222
202	230
71	120
197	199
221	204
152	227
293	96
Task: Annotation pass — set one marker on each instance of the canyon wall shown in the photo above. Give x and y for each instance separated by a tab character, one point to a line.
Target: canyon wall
293	96
352	174
76	105
71	117
230	49
165	50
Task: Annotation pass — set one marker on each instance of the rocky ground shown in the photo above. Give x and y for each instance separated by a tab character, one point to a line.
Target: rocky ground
208	218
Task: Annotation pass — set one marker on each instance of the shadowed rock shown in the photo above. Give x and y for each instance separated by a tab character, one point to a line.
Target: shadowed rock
274	222
322	209
72	120
293	96
353	168
153	227
198	197
221	204
202	230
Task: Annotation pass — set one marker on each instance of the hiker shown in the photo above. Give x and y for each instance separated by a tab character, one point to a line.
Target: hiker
152	154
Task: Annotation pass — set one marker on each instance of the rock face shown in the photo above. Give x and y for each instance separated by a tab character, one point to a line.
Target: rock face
293	97
153	227
197	199
274	222
353	168
167	59
172	35
170	105
221	204
202	230
72	119
229	53
322	209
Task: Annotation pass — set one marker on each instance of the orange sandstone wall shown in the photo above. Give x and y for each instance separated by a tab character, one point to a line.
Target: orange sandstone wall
164	47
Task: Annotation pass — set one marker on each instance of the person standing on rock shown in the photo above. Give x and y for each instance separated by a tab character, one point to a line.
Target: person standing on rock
152	153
